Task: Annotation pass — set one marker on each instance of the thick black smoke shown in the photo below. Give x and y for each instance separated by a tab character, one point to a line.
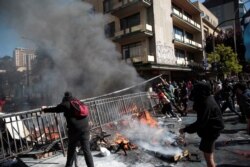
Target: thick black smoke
84	61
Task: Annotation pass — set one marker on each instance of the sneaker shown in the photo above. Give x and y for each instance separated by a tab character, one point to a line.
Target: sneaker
179	120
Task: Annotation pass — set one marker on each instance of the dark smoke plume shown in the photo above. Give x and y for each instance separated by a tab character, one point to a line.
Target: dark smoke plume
84	61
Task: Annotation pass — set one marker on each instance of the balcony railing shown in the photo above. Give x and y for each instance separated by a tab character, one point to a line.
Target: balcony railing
186	18
189	63
187	41
125	3
139	28
196	65
143	59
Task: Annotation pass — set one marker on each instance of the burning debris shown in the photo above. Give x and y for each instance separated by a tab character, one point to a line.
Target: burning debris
143	131
146	119
123	144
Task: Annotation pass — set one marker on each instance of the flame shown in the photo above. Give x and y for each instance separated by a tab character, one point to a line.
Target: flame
146	119
119	139
51	134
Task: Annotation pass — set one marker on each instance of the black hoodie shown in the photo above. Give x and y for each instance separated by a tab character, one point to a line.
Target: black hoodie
74	124
209	121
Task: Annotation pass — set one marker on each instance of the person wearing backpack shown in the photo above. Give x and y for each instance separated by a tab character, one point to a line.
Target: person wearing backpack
78	128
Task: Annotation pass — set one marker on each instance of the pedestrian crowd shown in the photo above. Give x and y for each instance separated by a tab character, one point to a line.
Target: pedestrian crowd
231	96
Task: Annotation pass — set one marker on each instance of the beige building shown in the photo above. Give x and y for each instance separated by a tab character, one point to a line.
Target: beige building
210	24
23	58
209	20
157	36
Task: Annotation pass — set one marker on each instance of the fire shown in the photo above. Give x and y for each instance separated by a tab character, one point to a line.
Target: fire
121	140
48	134
51	135
146	119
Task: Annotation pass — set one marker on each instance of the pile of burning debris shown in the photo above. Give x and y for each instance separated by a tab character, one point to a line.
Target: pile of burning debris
140	131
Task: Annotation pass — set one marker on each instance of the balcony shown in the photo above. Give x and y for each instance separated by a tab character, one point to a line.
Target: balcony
195	65
143	59
124	7
135	32
186	43
184	21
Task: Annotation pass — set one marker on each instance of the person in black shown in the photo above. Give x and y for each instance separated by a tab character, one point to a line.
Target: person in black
227	95
209	121
184	98
78	130
243	97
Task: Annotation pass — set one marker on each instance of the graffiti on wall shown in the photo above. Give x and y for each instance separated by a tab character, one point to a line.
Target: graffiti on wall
164	53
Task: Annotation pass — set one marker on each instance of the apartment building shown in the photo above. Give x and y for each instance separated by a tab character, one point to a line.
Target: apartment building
209	27
157	36
23	58
209	21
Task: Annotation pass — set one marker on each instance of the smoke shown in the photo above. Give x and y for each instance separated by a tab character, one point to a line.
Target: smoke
72	36
153	139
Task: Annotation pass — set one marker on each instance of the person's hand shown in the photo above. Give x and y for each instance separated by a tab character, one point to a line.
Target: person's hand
42	110
181	131
43	107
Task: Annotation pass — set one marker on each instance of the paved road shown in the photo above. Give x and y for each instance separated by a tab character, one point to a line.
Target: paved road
232	150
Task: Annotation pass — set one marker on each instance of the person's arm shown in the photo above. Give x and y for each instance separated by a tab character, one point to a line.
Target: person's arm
59	108
163	81
202	119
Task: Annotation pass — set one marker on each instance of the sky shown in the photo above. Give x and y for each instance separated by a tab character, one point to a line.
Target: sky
9	39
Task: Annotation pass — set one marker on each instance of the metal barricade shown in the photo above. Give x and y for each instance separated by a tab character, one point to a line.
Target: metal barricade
25	131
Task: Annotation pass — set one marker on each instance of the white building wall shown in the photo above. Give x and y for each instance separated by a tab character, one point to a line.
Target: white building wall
163	32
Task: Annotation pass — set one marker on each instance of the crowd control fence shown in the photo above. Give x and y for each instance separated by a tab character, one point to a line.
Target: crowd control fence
27	131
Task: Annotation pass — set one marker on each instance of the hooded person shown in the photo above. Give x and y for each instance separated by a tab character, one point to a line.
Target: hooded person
209	121
78	130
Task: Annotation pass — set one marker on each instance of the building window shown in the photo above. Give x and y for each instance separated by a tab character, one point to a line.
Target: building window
106	6
190	56
188	15
180	54
176	8
178	31
110	29
189	35
130	21
131	50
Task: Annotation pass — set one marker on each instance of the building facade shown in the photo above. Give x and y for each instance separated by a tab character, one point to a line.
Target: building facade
23	58
157	36
209	27
226	10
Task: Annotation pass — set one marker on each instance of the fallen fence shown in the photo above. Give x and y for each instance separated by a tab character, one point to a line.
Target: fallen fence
31	131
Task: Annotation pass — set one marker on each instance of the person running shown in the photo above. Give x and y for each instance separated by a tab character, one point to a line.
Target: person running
167	109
